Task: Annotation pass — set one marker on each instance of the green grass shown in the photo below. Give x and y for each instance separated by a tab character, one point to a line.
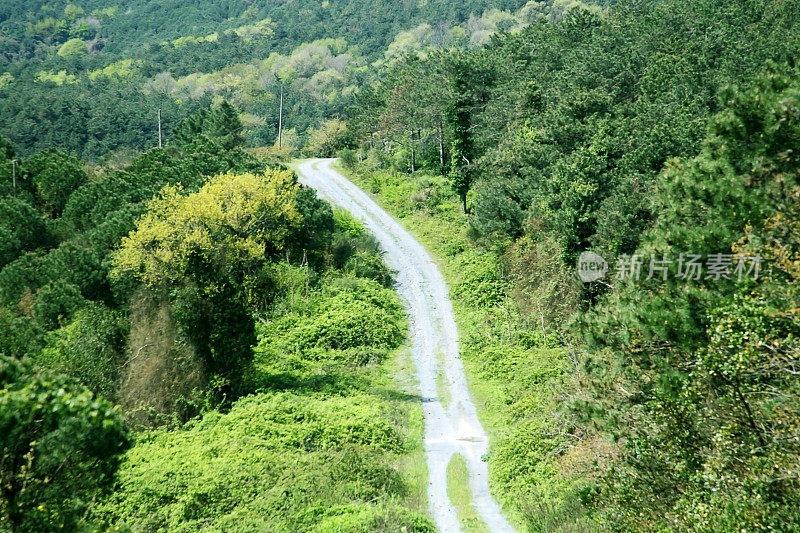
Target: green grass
461	496
401	376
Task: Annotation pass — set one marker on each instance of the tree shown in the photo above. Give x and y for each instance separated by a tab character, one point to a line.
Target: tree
222	125
327	139
60	446
73	48
704	371
209	250
226	127
462	153
54	176
21	229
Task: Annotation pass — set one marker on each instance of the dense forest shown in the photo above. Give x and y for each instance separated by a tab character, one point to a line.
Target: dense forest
66	66
662	137
190	339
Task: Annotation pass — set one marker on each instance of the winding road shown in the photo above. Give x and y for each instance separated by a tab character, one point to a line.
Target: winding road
451	423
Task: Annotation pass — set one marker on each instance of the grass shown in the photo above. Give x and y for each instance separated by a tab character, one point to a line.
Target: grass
461	496
401	376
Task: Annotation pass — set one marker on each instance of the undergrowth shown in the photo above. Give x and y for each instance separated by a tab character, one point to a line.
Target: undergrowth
328	440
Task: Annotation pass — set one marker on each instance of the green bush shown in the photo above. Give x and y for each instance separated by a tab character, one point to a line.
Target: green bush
59	446
351	313
348	157
21	229
480	284
349	321
359	519
275	462
55	304
91	349
370	266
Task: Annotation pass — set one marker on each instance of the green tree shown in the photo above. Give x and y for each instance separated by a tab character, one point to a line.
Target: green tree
60	446
703	369
209	250
221	124
21	229
54	176
73	48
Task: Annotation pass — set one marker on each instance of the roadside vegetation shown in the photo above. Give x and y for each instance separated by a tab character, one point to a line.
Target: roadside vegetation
649	399
247	333
518	374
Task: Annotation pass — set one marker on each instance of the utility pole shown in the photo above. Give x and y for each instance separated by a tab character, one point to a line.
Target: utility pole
280	121
441	148
159	129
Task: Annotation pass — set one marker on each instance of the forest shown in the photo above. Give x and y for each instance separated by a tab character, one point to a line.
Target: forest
191	339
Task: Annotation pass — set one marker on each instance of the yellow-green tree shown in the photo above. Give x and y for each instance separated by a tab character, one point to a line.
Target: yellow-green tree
209	253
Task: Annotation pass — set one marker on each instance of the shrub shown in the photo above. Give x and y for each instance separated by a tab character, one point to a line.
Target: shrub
275	462
90	349
348	320
59	446
480	284
56	302
348	158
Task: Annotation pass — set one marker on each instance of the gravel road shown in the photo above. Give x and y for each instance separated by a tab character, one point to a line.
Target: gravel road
449	429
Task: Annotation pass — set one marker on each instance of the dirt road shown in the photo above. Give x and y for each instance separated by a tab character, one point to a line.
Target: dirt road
451	423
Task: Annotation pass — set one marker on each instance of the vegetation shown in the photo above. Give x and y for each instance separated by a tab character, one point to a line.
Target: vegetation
663	401
60	447
190	339
201	289
458	491
518	372
107	73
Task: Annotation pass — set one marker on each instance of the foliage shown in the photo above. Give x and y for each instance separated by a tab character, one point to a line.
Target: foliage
107	73
53	176
221	124
72	48
89	349
59	446
347	318
327	140
276	461
21	229
209	249
234	218
705	424
314	451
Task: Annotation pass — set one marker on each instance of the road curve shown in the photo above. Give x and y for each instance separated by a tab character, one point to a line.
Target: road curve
451	429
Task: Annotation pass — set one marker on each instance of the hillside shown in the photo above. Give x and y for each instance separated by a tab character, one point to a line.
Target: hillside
64	66
600	334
